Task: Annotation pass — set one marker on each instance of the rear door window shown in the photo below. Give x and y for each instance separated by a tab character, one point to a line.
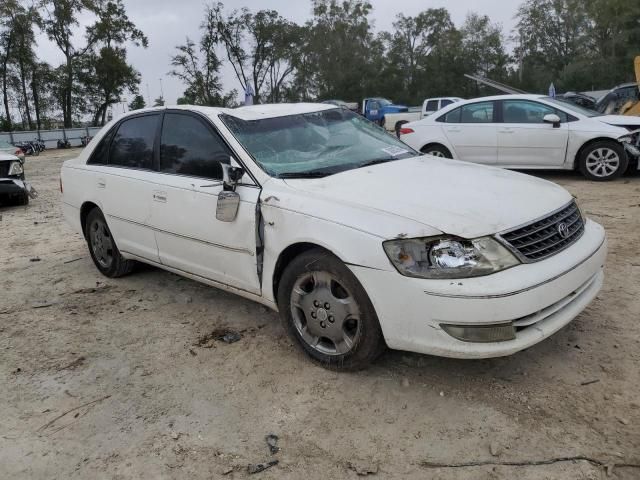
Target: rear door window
481	112
132	146
189	147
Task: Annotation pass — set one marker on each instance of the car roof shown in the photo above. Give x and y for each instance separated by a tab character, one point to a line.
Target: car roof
248	113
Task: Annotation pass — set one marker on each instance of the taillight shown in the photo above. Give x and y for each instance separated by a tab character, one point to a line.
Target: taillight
404	131
61	190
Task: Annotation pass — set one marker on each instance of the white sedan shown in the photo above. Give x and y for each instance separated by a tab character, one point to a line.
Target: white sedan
356	239
527	132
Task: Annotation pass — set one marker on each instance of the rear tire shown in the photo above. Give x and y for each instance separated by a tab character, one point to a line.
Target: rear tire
328	313
603	160
437	151
103	248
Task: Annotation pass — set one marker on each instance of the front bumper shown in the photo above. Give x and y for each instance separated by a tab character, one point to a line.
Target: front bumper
539	298
13	186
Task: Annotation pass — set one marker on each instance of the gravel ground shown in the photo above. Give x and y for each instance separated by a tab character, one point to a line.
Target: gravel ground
110	378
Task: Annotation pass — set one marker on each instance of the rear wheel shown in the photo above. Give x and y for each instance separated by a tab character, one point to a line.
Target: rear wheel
102	247
437	151
326	310
603	160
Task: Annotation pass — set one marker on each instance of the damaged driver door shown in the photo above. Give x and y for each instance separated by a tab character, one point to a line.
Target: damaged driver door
191	235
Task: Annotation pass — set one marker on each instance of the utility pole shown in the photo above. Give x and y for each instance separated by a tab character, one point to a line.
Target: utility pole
161	89
148	95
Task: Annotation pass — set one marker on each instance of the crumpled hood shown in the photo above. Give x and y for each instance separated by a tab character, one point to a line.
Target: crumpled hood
620	120
454	197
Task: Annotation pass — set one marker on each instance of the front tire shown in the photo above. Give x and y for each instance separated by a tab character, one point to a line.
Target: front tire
437	151
326	310
603	160
103	248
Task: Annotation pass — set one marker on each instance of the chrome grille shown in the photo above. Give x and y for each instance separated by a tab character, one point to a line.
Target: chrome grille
547	236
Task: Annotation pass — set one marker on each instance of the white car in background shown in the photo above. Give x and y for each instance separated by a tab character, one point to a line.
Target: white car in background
356	239
527	132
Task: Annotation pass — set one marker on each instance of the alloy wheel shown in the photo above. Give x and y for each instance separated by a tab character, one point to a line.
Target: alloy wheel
603	162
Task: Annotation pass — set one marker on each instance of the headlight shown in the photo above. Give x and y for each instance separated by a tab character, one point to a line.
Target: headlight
16	168
448	257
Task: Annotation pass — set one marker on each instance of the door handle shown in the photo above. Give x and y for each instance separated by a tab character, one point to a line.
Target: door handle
159	196
102	183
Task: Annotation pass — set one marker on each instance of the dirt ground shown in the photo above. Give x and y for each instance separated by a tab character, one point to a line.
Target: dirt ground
105	378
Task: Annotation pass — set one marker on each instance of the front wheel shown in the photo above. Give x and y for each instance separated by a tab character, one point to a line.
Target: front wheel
603	160
326	310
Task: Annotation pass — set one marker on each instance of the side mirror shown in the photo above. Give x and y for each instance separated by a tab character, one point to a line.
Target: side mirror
228	198
231	175
553	119
228	204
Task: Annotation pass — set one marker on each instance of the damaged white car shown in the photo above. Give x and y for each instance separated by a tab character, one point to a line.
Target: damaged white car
13	186
356	239
529	132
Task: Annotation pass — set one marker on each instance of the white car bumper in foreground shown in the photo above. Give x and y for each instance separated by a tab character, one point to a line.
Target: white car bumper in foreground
537	298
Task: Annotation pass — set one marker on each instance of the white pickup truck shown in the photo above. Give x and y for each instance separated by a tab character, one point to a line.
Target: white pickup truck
393	121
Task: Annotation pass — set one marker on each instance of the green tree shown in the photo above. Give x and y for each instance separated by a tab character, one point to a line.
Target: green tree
7	44
411	43
107	76
158	102
197	66
111	30
483	47
550	34
258	47
137	103
338	51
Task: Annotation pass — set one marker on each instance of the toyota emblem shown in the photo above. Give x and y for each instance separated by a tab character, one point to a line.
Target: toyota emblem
563	230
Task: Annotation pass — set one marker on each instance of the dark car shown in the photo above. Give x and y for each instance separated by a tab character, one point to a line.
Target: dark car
617	97
579	99
13	187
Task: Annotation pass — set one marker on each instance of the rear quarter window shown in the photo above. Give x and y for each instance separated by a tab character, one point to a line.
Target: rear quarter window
451	117
100	155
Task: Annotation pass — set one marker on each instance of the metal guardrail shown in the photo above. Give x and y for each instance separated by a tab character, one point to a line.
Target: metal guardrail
51	137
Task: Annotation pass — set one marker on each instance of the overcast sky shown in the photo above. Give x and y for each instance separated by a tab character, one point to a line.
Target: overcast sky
167	22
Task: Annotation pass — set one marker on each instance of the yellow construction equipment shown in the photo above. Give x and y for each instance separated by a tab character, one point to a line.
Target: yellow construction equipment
632	107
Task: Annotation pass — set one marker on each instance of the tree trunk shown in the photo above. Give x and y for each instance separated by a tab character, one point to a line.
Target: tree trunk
36	98
5	95
24	95
68	121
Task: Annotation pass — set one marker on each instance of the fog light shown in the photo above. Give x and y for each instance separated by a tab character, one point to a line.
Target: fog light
481	333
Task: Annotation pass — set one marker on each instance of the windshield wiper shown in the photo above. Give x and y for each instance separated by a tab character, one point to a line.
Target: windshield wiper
303	174
377	161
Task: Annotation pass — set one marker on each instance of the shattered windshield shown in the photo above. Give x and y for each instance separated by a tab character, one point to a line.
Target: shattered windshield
316	144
